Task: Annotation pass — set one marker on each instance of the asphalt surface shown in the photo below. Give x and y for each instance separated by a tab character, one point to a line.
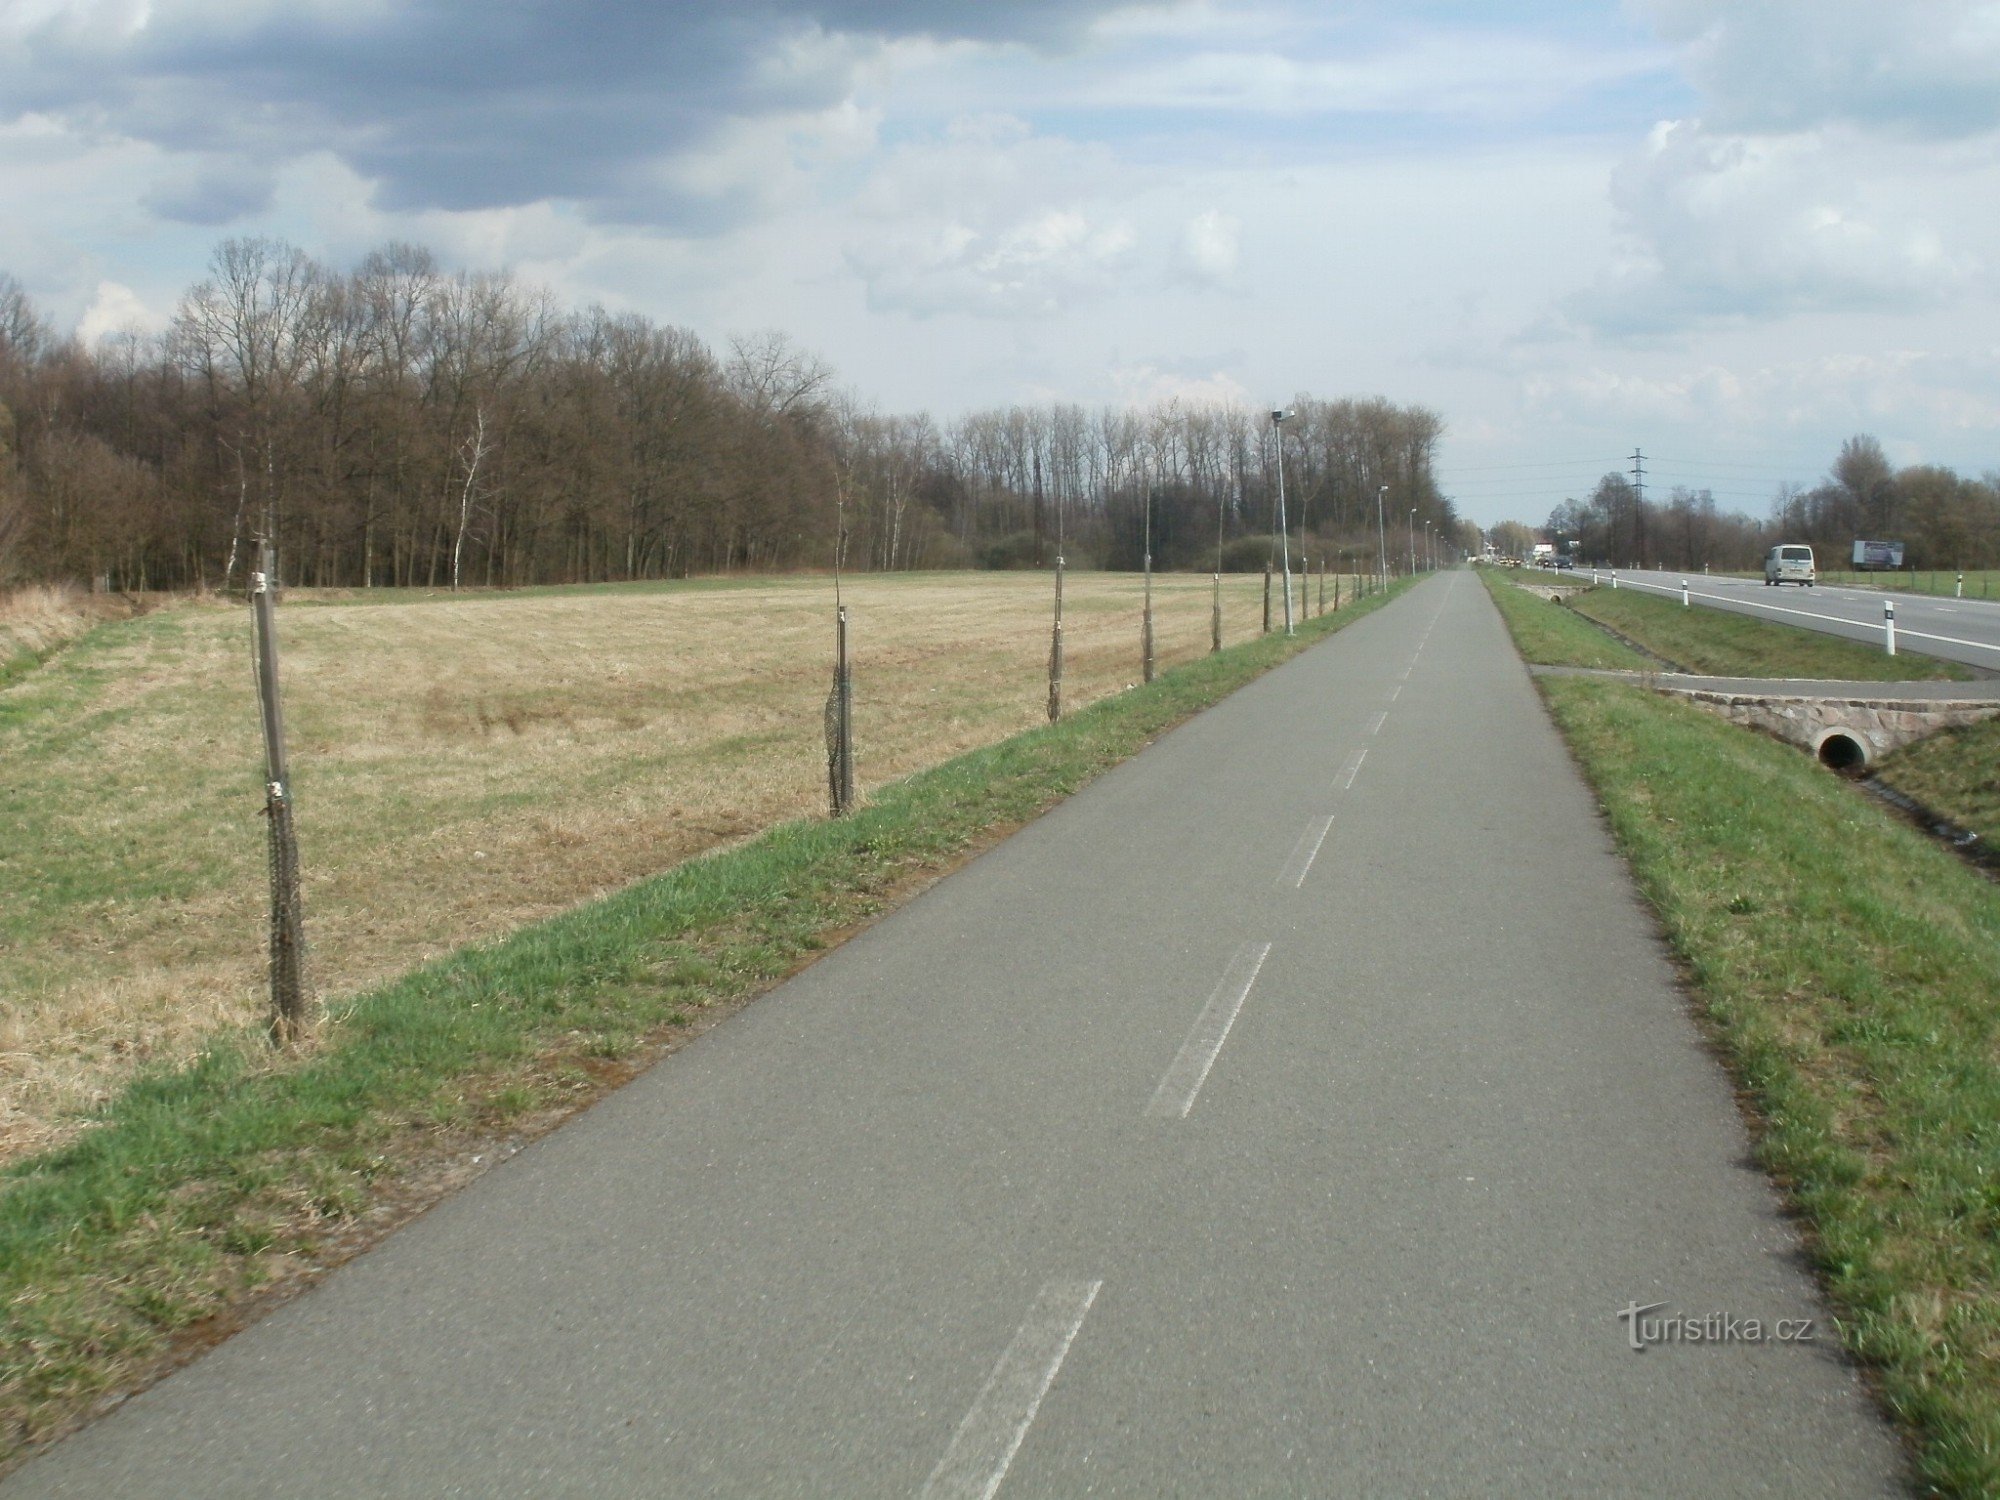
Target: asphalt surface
1243	1127
1961	630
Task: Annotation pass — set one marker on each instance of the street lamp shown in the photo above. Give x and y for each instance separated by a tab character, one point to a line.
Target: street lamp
1278	415
1413	541
1381	537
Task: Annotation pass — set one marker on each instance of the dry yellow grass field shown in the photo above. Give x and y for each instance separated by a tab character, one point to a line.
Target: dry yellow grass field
461	767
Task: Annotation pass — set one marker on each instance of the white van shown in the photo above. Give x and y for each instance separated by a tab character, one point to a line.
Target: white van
1790	563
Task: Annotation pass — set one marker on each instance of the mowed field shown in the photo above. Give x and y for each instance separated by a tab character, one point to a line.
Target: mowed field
462	766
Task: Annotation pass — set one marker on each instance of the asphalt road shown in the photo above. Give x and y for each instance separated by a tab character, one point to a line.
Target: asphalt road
1961	630
1240	1128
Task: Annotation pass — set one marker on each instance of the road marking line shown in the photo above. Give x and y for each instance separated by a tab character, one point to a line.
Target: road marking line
992	1432
1353	769
1189	1071
1305	852
1375	724
1397	693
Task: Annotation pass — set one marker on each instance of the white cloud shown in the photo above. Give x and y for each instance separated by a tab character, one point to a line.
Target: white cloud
1834	393
992	221
118	310
1148	384
1722	226
1209	248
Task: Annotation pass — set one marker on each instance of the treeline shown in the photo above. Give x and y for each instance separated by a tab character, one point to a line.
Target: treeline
1944	521
399	425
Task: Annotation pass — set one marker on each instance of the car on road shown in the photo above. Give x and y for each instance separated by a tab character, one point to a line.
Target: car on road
1790	562
1564	560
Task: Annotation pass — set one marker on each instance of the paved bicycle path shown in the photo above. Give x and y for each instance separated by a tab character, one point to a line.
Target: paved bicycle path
1250	1125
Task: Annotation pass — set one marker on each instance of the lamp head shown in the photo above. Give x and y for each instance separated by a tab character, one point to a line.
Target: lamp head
1280	414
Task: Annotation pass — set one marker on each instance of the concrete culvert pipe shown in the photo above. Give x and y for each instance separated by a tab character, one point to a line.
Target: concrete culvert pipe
1843	752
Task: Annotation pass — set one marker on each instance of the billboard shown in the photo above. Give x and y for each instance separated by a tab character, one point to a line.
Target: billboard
1871	556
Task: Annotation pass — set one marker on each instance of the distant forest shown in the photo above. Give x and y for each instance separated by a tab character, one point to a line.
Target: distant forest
401	425
1944	522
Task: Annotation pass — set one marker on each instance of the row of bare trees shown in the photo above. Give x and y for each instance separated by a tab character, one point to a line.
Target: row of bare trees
401	425
1944	521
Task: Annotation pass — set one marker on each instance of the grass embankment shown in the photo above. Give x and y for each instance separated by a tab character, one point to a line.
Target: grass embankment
38	621
1956	774
462	766
1844	964
1709	642
207	1182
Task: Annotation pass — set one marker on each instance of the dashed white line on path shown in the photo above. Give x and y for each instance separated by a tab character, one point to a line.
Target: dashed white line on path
1352	769
991	1434
1305	852
1375	724
1189	1071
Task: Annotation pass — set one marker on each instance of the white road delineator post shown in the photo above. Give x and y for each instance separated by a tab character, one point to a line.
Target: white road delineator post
1614	581
1961	587
1889	624
1684	593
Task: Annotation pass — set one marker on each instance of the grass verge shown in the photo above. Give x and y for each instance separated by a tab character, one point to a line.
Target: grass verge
1844	967
1551	635
1720	644
206	1186
1956	774
1712	642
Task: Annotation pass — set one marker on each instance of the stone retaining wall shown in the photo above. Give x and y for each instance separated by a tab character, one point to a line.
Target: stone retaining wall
1877	726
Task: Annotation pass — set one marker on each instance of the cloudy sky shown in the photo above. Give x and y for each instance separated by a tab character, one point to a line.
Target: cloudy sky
1730	233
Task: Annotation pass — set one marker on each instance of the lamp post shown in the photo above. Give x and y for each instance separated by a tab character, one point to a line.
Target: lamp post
1413	541
1381	537
1278	415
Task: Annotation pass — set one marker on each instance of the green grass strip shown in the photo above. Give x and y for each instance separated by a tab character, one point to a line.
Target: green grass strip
1956	774
203	1183
1552	635
1721	644
1845	965
1707	641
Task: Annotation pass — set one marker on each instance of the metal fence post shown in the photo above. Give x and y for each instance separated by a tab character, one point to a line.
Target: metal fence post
1267	598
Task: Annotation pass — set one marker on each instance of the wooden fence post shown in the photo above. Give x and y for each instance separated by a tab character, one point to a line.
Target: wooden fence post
840	725
1056	649
1146	626
288	940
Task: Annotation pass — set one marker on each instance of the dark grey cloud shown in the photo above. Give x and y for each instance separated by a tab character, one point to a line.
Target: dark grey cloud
466	104
217	194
